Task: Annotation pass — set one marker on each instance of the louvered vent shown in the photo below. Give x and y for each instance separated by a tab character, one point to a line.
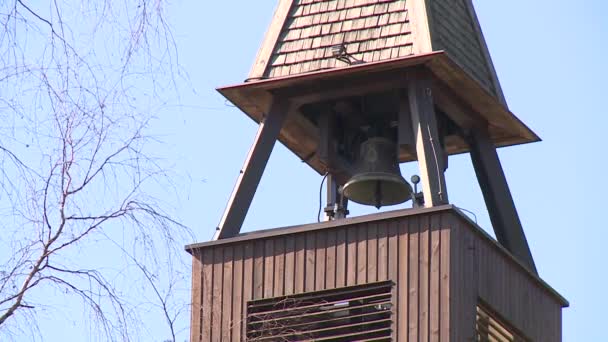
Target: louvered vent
491	329
357	313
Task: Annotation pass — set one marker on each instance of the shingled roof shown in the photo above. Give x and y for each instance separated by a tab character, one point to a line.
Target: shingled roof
303	32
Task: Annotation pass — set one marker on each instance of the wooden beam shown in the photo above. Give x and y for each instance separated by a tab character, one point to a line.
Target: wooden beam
251	173
405	138
262	60
347	86
496	193
426	137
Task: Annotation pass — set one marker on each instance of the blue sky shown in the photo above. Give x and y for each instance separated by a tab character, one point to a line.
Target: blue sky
550	58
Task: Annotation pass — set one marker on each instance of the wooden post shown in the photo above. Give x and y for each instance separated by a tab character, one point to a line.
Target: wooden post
426	138
251	173
497	196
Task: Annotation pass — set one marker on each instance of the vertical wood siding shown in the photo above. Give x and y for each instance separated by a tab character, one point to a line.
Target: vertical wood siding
232	274
439	265
482	272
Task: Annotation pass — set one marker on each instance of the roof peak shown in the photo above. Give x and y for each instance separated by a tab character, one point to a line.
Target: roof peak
312	35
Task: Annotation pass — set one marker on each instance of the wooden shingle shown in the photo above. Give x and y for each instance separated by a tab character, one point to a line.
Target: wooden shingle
303	32
312	27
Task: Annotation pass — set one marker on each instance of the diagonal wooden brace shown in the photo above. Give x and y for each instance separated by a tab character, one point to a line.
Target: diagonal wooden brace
251	173
496	193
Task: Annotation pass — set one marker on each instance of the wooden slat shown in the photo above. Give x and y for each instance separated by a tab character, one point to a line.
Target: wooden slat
311	253
258	270
383	260
376	298
349	291
269	272
341	259
313	331
197	291
226	294
207	288
330	260
423	278
300	266
398	262
290	250
237	294
279	267
362	254
216	303
351	256
372	252
435	277
445	299
248	266
293	326
320	314
413	282
320	260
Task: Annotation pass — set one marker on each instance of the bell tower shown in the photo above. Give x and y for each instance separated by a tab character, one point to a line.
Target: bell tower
354	88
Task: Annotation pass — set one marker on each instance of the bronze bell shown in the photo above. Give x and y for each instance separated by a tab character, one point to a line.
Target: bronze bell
378	180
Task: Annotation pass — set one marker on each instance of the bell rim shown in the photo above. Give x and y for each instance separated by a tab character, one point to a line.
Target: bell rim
372	176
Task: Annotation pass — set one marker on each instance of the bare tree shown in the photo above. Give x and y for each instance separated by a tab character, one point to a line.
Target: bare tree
80	82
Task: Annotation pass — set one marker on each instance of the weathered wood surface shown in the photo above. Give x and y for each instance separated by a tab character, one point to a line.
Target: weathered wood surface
482	271
371	30
441	265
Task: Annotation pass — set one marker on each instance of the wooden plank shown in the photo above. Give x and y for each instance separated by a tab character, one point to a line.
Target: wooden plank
237	294
278	288
423	278
248	270
372	252
216	306
226	330
207	288
290	251
383	260
413	281
497	195
258	269
197	289
351	256
421	30
341	259
268	268
330	259
320	256
435	278
253	168
445	300
309	273
300	267
362	253
399	251
270	39
470	292
431	157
